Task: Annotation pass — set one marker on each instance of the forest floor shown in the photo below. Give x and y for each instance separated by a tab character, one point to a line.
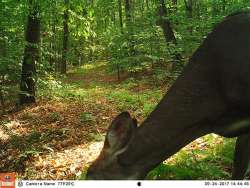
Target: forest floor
60	135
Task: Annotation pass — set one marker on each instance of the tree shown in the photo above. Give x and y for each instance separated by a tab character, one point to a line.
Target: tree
122	33
224	3
189	8
120	15
53	46
189	11
174	4
129	27
65	37
168	34
31	54
165	23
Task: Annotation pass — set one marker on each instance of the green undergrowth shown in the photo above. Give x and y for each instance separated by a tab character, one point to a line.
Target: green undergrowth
213	162
126	95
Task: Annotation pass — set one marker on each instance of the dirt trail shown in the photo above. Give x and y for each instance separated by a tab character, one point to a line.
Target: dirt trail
97	74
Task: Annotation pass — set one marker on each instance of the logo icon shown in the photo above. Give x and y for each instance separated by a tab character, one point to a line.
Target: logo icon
7	180
20	184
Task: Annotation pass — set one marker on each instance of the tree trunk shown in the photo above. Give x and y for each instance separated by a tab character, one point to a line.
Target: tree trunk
65	37
121	28
224	3
128	13
189	8
128	16
3	53
215	8
31	55
189	11
1	93
53	56
129	27
165	23
2	101
174	4
120	15
130	37
147	4
168	34
142	7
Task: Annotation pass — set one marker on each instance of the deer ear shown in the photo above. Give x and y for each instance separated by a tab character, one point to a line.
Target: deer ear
120	131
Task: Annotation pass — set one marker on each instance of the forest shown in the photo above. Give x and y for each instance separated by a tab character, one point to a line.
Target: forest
68	67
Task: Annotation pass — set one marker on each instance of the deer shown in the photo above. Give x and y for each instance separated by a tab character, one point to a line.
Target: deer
211	95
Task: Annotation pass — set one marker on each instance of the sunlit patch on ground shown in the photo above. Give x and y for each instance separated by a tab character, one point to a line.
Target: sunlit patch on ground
59	138
11	127
66	164
200	144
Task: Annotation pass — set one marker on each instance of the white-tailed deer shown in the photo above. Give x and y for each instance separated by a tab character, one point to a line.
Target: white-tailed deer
212	95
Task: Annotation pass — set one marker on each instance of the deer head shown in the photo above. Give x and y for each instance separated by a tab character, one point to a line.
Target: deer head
107	165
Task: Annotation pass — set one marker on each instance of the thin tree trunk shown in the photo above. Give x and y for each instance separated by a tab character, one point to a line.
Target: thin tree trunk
91	54
142	7
121	28
51	59
128	13
80	49
224	4
65	38
147	4
3	53
174	4
2	101
54	64
130	37
120	15
189	11
2	95
53	56
113	16
165	23
31	55
168	34
189	8
129	25
215	8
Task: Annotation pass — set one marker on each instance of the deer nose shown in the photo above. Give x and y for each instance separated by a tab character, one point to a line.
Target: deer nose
89	178
91	175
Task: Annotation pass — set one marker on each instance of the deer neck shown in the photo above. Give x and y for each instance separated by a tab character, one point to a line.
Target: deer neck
182	116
